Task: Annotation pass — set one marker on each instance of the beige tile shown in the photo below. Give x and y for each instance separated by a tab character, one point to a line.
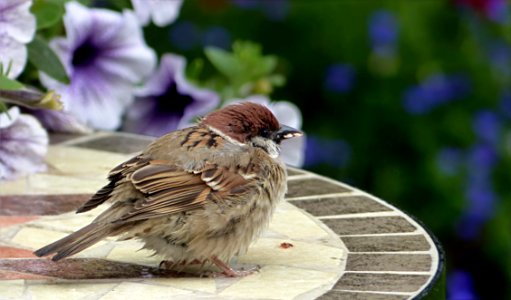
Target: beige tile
68	291
85	163
11	289
99	250
13	187
134	290
67	222
56	184
206	285
277	282
288	219
307	255
131	251
34	238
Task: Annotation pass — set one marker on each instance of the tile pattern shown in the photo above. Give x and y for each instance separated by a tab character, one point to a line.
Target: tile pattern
356	246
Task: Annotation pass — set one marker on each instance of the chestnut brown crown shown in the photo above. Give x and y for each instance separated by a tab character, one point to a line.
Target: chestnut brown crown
244	121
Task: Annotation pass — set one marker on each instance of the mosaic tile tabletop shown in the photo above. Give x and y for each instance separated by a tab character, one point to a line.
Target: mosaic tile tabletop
328	240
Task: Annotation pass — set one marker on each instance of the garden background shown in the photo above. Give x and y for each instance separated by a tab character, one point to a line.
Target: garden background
409	100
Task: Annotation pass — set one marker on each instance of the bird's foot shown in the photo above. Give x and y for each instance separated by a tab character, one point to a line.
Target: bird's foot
230	272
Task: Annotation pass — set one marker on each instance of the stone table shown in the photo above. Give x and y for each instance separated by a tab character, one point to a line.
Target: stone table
328	240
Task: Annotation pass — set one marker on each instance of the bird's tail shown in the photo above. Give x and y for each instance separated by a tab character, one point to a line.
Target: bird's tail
76	241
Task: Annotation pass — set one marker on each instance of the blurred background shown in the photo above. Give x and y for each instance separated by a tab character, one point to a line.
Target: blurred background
407	100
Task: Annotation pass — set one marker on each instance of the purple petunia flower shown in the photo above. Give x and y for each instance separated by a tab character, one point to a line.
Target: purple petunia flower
293	150
168	101
23	144
60	121
17	28
105	55
161	12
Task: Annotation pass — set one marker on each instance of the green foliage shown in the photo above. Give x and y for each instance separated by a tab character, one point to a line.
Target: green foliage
9	84
3	107
245	70
47	12
43	57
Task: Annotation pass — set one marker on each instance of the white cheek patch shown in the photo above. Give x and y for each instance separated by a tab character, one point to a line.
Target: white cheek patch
273	150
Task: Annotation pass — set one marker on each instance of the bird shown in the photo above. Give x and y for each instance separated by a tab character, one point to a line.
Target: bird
198	194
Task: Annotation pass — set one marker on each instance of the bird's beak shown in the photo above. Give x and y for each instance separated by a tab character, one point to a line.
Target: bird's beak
286	132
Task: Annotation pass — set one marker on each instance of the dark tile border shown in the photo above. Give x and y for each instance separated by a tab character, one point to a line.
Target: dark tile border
369	225
340	205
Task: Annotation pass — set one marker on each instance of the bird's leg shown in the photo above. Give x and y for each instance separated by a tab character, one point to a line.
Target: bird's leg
230	272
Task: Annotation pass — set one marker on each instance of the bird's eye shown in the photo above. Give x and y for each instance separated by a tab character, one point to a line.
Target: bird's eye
265	132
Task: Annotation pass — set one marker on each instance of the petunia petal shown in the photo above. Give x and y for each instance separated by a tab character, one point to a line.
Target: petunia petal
60	121
23	145
16	20
78	23
153	112
162	12
165	12
13	54
6	119
102	89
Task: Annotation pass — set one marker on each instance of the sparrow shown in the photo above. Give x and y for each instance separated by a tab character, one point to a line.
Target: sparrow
198	194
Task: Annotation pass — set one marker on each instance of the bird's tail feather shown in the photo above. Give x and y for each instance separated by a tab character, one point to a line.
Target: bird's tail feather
76	241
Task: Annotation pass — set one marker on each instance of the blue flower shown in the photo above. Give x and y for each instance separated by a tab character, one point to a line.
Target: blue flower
383	31
480	195
218	37
480	208
340	78
185	35
326	151
17	28
481	159
487	126
449	160
167	101
276	10
460	286
105	55
505	104
434	91
497	10
23	145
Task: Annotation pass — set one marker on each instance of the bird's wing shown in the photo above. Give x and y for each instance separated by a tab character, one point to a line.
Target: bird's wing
116	176
169	189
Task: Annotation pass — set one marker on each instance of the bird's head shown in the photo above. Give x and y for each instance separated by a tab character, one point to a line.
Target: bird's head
251	123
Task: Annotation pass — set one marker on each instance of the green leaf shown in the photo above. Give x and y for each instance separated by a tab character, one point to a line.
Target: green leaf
3	107
223	61
47	12
44	59
9	84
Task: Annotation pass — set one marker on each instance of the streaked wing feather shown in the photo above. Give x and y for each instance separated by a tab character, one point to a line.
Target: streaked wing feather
170	190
